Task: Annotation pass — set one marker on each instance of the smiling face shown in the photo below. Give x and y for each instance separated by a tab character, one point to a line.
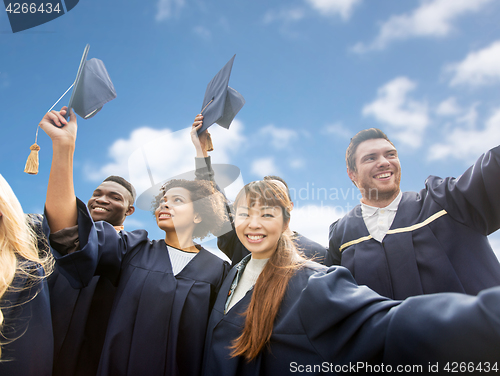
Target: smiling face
176	211
378	172
259	227
110	202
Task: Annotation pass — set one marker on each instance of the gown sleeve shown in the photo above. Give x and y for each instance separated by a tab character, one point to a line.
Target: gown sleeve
357	324
101	250
472	198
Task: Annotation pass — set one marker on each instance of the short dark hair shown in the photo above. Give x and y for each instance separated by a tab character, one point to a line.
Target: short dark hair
364	135
207	201
275	177
118	179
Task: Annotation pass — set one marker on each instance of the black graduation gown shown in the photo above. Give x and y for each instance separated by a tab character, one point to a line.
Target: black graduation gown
327	324
79	320
79	317
437	241
158	321
26	311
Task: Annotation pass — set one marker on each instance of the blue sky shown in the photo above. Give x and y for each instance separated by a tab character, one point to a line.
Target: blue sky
313	73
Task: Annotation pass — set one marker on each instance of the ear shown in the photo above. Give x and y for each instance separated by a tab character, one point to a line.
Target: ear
197	218
353	176
130	210
291	207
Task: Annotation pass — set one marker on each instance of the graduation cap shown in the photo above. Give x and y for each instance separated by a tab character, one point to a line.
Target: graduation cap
91	90
221	102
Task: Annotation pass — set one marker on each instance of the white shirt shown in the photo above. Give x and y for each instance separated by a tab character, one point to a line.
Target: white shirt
247	280
379	220
179	259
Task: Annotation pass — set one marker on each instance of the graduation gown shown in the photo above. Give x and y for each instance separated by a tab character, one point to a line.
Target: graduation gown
79	320
79	316
26	309
158	321
326	321
437	241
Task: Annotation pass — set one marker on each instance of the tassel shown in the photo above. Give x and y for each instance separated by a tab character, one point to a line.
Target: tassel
210	145
32	162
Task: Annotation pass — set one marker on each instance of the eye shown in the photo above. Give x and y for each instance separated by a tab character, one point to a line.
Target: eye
242	214
117	198
177	199
268	215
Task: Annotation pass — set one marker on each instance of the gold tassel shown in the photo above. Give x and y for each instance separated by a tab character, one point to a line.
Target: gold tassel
32	162
209	145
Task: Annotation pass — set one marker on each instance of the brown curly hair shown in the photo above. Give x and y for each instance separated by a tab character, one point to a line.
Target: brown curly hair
207	201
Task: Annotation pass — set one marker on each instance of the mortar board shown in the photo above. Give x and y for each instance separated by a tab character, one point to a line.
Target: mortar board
221	102
92	89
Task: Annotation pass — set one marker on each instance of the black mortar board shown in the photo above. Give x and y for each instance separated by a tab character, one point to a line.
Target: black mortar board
221	102
92	89
224	175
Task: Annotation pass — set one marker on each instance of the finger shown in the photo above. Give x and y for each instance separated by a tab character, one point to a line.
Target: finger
54	118
72	116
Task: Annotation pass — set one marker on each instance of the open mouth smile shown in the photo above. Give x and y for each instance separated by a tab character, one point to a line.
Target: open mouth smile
255	238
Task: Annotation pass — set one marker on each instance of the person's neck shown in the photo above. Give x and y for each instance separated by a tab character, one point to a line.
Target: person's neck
380	202
183	242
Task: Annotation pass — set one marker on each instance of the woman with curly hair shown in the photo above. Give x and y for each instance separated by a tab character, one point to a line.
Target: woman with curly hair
25	322
165	288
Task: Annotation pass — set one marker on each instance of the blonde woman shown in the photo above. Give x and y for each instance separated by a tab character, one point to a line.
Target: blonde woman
26	343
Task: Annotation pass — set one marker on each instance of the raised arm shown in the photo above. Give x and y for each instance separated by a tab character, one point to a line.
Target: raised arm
60	203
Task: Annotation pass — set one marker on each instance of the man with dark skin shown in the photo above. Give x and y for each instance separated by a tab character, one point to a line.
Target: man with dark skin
80	316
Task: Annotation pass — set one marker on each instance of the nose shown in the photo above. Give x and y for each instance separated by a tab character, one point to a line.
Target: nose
102	199
254	221
382	161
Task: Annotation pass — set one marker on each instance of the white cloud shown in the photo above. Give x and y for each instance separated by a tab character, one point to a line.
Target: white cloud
297	163
166	153
337	129
279	137
431	19
468	143
284	15
168	8
407	118
494	240
264	166
342	8
478	68
313	221
202	32
448	107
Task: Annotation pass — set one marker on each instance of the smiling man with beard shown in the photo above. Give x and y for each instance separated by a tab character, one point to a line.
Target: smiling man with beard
402	244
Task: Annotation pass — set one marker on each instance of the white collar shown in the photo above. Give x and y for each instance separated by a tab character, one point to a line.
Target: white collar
368	210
